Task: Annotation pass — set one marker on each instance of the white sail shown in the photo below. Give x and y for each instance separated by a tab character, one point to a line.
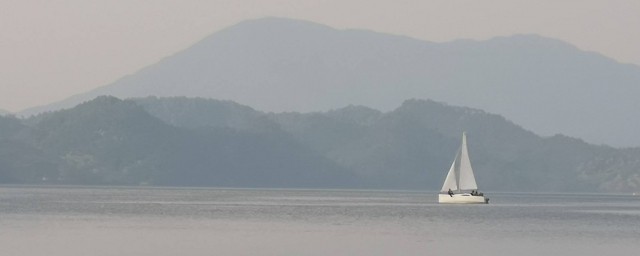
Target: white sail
466	181
451	182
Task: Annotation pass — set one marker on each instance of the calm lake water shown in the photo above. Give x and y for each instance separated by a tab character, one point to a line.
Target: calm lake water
186	221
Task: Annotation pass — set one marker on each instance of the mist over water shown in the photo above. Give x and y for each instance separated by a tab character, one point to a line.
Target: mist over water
176	221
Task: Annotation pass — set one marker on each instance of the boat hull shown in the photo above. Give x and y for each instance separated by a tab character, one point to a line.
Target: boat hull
462	199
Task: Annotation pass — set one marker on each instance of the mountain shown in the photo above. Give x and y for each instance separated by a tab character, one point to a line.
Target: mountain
4	112
114	142
20	162
181	141
411	147
277	64
196	113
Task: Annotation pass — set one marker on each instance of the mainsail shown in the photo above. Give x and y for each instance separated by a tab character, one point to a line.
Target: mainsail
460	176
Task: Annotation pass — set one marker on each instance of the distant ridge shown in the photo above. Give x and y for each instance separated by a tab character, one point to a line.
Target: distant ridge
276	64
180	141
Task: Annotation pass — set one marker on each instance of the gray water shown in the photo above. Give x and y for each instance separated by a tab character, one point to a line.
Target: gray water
187	221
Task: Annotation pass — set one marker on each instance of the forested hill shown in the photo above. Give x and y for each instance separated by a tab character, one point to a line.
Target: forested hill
116	142
200	142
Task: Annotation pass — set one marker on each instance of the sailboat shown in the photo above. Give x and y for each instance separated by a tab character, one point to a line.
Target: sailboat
460	185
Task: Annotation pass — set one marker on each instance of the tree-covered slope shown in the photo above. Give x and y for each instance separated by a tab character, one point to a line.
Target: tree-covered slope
111	141
202	142
412	146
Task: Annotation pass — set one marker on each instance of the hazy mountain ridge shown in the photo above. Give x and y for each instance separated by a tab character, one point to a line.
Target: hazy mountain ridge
412	146
202	113
114	142
202	142
276	64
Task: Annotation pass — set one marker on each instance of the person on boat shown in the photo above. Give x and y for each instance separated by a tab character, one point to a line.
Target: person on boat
474	193
450	193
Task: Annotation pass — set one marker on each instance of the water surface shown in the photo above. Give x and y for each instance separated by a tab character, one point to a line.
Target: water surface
187	221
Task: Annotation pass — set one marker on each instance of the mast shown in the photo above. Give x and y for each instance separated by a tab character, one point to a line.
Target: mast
457	169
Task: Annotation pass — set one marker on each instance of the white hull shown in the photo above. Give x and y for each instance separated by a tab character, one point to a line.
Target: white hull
465	198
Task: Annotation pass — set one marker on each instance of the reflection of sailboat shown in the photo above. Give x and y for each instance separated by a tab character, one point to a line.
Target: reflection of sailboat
460	185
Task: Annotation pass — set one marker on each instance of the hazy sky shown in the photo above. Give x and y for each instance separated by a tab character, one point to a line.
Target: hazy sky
52	49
